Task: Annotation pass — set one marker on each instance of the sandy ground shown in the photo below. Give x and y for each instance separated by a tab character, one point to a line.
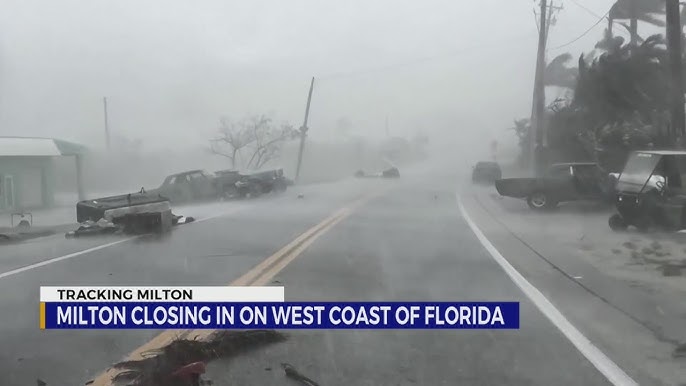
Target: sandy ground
654	260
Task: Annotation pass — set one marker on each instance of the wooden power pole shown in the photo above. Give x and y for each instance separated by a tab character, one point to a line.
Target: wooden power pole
677	91
303	131
536	137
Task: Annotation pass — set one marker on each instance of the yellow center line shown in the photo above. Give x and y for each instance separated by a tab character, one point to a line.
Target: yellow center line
259	275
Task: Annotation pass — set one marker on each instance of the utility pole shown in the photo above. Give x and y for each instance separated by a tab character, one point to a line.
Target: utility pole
677	93
537	137
303	131
107	128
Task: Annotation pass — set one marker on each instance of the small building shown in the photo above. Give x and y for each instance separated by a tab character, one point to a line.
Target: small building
27	176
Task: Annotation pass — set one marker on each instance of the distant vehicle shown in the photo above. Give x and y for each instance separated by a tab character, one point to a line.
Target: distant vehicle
651	191
561	183
486	172
388	173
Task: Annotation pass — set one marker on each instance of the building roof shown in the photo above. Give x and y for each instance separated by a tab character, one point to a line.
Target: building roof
575	164
663	152
37	147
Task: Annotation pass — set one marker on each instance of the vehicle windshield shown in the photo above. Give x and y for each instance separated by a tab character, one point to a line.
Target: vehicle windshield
637	172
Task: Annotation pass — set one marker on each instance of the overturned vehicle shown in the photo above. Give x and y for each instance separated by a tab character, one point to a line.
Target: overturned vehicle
133	213
651	192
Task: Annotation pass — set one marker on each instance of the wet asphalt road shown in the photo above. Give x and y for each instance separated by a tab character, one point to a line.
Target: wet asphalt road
410	244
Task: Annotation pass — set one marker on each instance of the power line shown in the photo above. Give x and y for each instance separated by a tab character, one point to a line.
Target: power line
583	34
585	9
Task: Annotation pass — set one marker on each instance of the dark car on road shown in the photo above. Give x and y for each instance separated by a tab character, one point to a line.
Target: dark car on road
486	172
560	183
651	191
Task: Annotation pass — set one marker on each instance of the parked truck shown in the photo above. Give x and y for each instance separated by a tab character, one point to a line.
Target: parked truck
561	183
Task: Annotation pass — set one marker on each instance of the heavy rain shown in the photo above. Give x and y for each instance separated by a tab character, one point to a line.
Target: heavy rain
465	155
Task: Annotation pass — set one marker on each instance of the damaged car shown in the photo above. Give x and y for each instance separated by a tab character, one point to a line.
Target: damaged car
202	185
262	182
562	182
651	192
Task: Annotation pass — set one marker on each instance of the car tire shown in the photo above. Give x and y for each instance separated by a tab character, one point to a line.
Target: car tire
541	201
617	223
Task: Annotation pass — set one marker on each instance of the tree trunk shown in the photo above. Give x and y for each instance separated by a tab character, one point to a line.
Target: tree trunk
675	64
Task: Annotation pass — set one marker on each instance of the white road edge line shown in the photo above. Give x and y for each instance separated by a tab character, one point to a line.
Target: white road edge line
65	257
99	247
602	362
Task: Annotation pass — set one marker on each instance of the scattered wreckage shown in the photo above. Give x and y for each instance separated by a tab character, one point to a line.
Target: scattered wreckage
651	192
486	172
561	183
133	213
201	185
388	173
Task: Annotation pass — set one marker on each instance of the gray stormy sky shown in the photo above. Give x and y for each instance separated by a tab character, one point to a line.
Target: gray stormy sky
173	67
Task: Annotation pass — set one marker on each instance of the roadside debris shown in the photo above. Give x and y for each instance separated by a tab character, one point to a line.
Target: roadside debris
159	367
293	373
134	213
680	351
629	245
388	173
671	270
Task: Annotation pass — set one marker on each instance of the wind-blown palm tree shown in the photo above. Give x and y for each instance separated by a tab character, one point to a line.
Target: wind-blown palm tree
558	74
649	11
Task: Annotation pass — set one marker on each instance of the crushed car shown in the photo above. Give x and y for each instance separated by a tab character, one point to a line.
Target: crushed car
133	213
201	185
486	172
562	182
262	182
651	192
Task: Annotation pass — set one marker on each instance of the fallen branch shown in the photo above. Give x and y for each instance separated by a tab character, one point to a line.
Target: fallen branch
157	367
292	373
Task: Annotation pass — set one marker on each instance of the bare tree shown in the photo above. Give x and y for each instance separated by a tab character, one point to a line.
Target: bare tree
256	136
232	138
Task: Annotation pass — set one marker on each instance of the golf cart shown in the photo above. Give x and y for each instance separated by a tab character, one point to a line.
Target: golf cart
651	191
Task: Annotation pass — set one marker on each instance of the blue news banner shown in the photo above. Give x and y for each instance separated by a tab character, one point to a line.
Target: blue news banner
309	315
